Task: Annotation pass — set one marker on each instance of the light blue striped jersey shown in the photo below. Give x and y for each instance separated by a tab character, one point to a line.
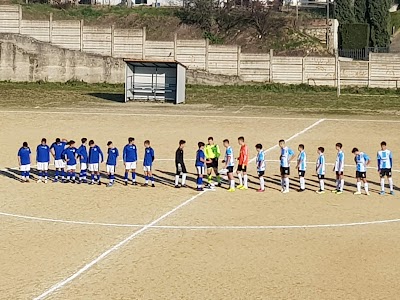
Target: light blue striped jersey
229	156
302	161
321	164
286	155
361	160
260	161
385	160
339	164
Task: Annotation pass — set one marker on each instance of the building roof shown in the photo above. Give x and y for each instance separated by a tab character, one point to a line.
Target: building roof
153	63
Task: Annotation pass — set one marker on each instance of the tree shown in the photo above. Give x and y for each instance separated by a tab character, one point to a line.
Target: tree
361	11
379	19
344	11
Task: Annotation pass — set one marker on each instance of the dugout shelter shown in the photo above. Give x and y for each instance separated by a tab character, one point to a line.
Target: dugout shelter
150	80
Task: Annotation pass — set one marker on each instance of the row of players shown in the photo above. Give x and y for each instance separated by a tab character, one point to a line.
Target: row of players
66	156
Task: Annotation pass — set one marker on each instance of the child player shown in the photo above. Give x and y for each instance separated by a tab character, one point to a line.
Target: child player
148	163
83	159
301	167
111	164
43	160
213	153
362	161
95	158
385	163
69	156
200	162
129	156
242	167
285	159
260	161
57	149
24	161
180	165
229	165
320	168
339	169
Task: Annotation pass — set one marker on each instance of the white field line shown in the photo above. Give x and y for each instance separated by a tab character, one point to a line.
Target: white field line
62	283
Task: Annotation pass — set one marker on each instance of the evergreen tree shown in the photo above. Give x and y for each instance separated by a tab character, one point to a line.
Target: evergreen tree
361	11
344	11
379	19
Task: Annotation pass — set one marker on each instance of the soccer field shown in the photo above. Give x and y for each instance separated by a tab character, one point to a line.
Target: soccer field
64	241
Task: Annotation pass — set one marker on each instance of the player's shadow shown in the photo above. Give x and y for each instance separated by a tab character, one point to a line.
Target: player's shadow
12	174
109	96
171	177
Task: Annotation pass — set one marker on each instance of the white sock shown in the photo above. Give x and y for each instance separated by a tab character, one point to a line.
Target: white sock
232	186
283	183
391	184
366	187
73	177
341	185
286	183
359	186
262	183
240	179
176	179
302	183
245	180
321	184
183	178
382	184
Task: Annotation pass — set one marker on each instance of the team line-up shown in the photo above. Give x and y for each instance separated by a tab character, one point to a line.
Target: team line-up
66	157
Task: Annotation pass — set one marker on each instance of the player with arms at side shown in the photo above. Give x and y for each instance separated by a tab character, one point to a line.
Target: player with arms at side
180	165
301	167
385	164
148	163
200	162
285	159
320	168
70	156
129	156
57	149
95	158
339	169
213	153
229	165
362	161
43	160
83	159
111	163
243	161
260	162
24	161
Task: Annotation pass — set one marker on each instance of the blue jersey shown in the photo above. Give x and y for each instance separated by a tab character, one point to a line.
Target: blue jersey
58	149
148	157
130	153
260	161
385	159
199	156
339	164
321	164
43	153
82	154
229	156
112	156
286	155
361	160
302	161
24	155
69	155
95	155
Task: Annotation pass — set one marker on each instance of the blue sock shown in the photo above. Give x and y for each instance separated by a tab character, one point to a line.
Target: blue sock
28	174
84	174
40	174
152	179
133	176
201	181
23	174
198	181
112	178
45	174
62	173
57	173
126	176
98	177
146	178
92	177
73	174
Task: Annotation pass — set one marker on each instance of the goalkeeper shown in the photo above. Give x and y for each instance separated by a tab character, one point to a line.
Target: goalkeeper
180	165
213	153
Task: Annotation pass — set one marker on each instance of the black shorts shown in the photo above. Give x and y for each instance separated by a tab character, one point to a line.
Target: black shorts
339	173
213	163
361	174
302	173
386	172
230	169
261	173
285	171
320	176
242	168
178	172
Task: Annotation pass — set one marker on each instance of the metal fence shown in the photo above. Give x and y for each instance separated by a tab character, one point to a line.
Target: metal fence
362	54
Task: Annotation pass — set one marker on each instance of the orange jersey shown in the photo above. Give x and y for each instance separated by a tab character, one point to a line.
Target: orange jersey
244	155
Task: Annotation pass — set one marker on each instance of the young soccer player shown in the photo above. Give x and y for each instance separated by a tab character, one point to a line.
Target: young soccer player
260	161
362	161
229	165
242	167
148	163
83	159
70	156
301	167
200	162
95	158
111	162
24	161
385	163
320	168
285	159
339	169
130	160
213	153
180	165
43	160
57	149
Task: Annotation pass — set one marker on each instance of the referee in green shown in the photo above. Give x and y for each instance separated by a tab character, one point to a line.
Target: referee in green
212	153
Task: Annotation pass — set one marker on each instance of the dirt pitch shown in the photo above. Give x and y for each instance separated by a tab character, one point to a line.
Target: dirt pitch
88	242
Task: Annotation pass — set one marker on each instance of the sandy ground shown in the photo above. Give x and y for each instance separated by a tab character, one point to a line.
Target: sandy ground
350	262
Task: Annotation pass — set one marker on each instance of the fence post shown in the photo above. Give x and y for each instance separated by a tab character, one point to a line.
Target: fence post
112	40
239	50
81	36
303	70
175	46
338	79
19	18
206	58
336	68
51	28
271	65
143	42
